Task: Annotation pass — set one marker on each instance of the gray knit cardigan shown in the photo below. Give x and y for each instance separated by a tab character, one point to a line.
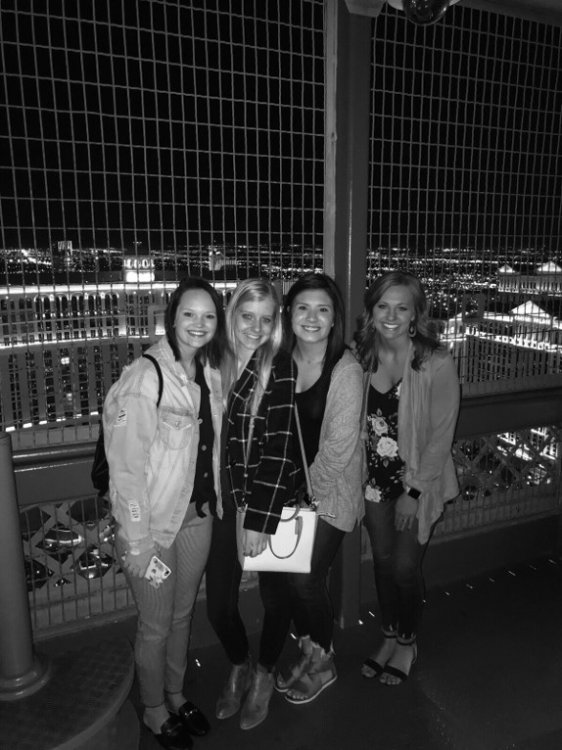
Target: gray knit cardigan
336	473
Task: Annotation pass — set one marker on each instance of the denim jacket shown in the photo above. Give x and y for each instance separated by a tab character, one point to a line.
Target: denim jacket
152	451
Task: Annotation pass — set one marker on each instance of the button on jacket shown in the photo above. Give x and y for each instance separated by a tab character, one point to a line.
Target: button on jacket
271	469
152	451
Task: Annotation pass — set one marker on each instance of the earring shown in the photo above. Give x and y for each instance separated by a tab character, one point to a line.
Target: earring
412	330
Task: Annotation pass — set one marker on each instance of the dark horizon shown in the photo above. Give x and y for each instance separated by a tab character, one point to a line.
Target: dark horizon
176	126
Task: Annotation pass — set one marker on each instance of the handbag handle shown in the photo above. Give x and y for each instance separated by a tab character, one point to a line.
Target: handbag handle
309	491
297	518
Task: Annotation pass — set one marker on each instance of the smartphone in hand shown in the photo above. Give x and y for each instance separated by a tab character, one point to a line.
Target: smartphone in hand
157	572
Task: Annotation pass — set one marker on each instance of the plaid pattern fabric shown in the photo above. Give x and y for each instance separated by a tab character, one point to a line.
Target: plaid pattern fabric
271	469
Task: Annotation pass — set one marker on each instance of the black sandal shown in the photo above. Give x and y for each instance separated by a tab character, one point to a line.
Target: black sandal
399	673
376	669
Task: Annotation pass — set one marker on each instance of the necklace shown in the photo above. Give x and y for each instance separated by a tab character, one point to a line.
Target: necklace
311	362
308	360
189	369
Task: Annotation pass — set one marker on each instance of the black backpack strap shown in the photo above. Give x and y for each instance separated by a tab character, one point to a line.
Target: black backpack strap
160	377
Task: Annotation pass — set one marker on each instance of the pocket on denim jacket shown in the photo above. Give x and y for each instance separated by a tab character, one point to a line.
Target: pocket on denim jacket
175	430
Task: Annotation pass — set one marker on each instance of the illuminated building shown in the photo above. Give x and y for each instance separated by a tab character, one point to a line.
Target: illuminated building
62	346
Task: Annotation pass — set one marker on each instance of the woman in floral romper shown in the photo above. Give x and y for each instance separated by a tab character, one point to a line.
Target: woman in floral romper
412	401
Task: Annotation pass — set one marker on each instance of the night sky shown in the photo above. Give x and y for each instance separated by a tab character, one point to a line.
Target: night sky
178	124
110	125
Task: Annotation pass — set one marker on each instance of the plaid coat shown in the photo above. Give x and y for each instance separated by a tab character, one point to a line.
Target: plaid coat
270	481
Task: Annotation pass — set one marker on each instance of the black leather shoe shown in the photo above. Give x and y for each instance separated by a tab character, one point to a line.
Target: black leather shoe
174	735
193	719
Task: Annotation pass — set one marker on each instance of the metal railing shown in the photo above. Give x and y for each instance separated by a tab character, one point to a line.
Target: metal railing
73	576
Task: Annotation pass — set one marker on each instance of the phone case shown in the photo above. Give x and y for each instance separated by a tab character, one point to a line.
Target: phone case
157	572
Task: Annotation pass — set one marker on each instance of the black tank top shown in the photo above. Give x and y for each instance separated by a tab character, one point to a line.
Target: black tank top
312	405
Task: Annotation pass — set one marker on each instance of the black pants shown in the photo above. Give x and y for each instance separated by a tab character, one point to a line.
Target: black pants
223	575
311	605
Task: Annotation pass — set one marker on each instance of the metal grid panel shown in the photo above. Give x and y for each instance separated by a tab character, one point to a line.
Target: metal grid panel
466	182
73	573
162	126
151	139
503	479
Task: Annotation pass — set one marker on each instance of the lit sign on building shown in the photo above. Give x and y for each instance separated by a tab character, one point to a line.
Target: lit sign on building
138	268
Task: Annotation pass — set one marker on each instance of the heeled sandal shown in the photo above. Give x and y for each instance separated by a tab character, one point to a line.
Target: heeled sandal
320	675
400	674
310	686
371	668
296	670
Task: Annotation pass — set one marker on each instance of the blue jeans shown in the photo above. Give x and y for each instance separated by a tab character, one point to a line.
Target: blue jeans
164	614
397	557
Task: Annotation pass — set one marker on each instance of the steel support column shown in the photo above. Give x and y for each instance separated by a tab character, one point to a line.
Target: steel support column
346	171
21	671
348	86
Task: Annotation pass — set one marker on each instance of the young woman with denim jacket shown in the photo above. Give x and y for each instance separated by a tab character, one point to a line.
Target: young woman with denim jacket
258	476
164	490
412	403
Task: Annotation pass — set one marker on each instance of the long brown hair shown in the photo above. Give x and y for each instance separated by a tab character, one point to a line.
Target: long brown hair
314	281
214	351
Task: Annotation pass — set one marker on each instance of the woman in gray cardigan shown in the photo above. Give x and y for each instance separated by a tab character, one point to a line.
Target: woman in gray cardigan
412	403
328	397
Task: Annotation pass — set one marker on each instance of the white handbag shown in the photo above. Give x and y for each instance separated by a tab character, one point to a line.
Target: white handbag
289	550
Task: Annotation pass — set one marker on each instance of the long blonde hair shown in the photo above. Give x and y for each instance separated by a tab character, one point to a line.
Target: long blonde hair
254	290
424	337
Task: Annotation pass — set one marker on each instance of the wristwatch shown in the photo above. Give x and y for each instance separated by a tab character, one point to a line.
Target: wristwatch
413	492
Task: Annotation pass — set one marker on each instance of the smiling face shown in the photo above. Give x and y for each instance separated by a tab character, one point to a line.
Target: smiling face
312	316
393	313
195	322
253	324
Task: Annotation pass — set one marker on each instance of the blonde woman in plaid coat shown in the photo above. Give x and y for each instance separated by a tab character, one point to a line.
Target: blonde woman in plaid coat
258	475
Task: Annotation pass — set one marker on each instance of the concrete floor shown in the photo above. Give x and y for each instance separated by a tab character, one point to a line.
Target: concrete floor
488	677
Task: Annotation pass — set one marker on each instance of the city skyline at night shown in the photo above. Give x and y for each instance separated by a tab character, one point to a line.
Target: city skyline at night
193	134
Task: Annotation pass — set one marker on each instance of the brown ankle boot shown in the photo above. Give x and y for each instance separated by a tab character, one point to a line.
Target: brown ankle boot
256	705
236	686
